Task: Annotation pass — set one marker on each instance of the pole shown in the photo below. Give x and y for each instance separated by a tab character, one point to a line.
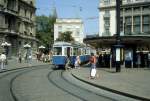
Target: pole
118	68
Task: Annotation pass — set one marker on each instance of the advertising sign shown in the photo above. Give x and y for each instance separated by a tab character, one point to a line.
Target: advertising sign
117	54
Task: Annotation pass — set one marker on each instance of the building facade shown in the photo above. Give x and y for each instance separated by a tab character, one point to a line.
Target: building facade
135	17
134	31
17	25
73	25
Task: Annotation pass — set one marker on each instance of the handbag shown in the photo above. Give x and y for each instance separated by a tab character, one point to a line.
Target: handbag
93	72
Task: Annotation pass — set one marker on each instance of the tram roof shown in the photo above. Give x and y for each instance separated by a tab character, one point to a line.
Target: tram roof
61	43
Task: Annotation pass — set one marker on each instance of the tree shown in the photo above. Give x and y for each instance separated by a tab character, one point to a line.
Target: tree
66	36
45	30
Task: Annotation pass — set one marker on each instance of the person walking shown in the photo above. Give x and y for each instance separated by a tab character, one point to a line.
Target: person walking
68	62
2	60
93	66
149	59
77	62
30	59
19	57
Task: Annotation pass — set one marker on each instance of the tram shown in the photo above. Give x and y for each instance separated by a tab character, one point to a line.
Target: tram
63	49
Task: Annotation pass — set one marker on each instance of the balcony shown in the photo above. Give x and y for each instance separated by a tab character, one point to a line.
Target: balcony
9	31
9	11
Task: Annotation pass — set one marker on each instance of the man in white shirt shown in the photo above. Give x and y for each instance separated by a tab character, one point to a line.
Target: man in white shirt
2	60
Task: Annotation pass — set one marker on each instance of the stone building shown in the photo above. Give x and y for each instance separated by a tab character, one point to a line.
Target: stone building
17	25
74	25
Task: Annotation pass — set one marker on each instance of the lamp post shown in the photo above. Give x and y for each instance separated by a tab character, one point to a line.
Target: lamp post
27	46
41	48
118	46
6	45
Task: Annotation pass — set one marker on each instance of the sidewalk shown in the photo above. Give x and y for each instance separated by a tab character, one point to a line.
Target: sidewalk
13	64
134	83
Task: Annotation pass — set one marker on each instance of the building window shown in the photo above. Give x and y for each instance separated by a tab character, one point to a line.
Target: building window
146	24
146	8
136	20
107	23
107	26
59	28
128	10
19	9
31	2
19	43
128	1
137	25
121	24
77	32
25	12
106	2
136	9
31	15
128	23
31	44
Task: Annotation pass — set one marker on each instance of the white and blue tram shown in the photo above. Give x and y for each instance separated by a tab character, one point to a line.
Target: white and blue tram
62	49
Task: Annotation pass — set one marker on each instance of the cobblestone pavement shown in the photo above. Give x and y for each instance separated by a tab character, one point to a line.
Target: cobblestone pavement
134	81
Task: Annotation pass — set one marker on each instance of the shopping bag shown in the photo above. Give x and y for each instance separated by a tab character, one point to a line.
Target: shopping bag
93	72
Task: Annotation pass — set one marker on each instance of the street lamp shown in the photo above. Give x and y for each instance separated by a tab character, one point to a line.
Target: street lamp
41	47
118	47
27	46
6	45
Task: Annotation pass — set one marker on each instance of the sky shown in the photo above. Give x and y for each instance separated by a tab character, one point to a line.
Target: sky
85	9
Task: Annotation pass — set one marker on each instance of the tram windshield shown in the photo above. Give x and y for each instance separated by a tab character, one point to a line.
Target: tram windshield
75	51
68	51
57	51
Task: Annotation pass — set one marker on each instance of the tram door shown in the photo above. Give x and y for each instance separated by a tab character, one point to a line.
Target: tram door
68	51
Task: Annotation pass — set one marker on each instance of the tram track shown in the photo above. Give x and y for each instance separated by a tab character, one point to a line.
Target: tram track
12	75
58	83
79	92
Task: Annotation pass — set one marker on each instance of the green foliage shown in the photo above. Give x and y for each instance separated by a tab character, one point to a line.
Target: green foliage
45	30
66	36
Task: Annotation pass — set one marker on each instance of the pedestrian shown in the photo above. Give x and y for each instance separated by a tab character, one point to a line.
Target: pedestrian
19	57
25	57
68	62
77	62
139	60
149	59
30	59
3	60
93	66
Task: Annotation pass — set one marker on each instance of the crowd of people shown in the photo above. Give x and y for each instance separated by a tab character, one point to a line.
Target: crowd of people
92	61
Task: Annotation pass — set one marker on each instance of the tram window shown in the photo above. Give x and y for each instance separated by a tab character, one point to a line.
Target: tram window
67	51
57	51
71	51
79	51
75	51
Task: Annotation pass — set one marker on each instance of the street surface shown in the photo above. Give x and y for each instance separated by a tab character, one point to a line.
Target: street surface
42	83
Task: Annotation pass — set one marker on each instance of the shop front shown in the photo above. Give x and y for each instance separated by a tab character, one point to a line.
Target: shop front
134	53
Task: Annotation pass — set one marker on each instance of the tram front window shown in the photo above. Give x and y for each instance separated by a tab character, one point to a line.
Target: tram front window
57	51
75	51
67	51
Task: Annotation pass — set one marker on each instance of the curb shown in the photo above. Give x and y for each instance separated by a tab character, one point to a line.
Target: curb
111	90
7	70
